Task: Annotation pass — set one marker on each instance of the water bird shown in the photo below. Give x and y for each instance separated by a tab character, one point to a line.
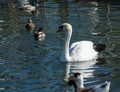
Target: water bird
78	51
78	84
26	6
30	25
39	35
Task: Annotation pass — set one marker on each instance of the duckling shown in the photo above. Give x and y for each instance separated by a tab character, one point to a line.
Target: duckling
77	82
30	25
39	35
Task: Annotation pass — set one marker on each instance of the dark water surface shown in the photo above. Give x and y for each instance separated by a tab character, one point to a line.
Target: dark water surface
27	65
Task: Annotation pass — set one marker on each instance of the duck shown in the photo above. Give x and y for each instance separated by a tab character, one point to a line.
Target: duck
78	84
28	7
30	25
78	51
39	35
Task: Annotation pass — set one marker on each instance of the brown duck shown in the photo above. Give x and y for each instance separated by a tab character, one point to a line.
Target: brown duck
30	25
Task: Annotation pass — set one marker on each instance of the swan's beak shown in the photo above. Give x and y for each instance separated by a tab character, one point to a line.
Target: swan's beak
99	47
60	29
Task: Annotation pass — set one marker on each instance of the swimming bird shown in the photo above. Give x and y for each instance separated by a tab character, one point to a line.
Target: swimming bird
39	35
78	83
30	25
78	51
26	6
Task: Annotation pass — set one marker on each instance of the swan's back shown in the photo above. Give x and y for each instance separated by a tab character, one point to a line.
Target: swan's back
82	50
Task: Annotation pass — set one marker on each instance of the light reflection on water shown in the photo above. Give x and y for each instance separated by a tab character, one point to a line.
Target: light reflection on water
32	66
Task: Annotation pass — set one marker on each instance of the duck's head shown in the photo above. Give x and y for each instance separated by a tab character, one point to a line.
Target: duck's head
64	27
40	29
30	20
71	81
76	80
39	35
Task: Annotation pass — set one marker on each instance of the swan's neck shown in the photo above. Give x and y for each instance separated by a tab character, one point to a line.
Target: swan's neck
67	42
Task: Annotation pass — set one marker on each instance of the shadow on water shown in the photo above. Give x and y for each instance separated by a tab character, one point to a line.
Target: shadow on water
27	65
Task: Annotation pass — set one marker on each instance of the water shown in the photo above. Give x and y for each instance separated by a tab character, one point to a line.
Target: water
27	65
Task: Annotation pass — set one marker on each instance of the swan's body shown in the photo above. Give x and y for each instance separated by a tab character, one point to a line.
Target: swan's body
78	51
78	83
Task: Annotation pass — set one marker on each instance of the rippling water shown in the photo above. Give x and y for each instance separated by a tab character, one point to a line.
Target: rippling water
27	65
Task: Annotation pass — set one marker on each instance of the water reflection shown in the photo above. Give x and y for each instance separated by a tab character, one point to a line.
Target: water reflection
86	68
29	65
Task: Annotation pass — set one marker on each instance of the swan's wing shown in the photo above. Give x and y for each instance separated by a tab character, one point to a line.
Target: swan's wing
81	48
73	45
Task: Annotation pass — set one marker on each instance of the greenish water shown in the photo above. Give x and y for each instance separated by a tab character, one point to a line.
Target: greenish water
27	65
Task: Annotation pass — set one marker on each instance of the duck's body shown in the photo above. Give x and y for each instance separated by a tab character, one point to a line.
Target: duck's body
27	7
78	83
39	35
78	51
30	25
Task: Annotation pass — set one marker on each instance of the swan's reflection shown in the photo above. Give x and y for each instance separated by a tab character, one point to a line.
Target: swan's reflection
86	68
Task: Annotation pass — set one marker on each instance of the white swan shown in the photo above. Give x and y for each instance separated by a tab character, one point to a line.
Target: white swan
79	51
77	82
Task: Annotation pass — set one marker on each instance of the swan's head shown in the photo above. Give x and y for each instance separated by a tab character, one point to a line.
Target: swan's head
64	27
